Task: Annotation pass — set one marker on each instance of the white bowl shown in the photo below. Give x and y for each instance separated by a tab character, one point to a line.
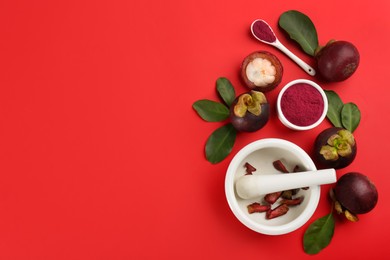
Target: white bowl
261	154
282	117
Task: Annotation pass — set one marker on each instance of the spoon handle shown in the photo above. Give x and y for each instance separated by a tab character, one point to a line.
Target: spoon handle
297	60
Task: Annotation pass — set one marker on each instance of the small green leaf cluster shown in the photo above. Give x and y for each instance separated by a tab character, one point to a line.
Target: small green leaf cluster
342	115
220	143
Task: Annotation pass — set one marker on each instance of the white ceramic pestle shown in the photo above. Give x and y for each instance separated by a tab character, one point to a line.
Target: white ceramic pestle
256	185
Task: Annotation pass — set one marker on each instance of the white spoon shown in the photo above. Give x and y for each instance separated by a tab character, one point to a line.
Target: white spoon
266	30
252	186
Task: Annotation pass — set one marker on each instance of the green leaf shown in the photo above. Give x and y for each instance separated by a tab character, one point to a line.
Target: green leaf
319	234
220	143
335	104
211	111
226	90
350	116
301	29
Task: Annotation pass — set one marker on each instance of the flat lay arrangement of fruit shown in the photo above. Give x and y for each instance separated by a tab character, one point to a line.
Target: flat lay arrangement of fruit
302	105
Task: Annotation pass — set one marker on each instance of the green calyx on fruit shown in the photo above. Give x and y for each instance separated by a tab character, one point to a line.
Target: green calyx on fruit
350	216
250	102
339	144
340	210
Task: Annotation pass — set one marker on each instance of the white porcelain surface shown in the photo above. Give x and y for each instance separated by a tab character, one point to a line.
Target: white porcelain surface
261	154
255	185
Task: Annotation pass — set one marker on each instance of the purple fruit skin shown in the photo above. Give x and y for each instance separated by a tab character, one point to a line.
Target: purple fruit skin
337	61
356	193
320	161
250	122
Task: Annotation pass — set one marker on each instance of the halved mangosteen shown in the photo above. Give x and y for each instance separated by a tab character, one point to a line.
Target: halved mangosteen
261	71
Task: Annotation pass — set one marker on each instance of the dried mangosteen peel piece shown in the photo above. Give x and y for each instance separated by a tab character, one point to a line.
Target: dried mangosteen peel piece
249	168
271	198
250	102
292	202
280	210
257	208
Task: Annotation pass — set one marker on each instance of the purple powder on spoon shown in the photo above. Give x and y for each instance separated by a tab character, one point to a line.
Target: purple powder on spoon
262	31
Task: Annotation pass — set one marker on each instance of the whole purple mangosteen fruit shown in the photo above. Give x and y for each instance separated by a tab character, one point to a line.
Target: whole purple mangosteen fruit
337	60
334	147
353	194
249	111
356	193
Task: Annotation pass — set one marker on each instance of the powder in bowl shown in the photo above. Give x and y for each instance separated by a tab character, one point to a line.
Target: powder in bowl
302	105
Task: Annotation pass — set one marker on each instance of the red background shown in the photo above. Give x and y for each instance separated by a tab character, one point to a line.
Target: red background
102	154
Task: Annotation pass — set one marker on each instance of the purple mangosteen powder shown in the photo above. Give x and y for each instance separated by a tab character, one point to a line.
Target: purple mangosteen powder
262	31
302	104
